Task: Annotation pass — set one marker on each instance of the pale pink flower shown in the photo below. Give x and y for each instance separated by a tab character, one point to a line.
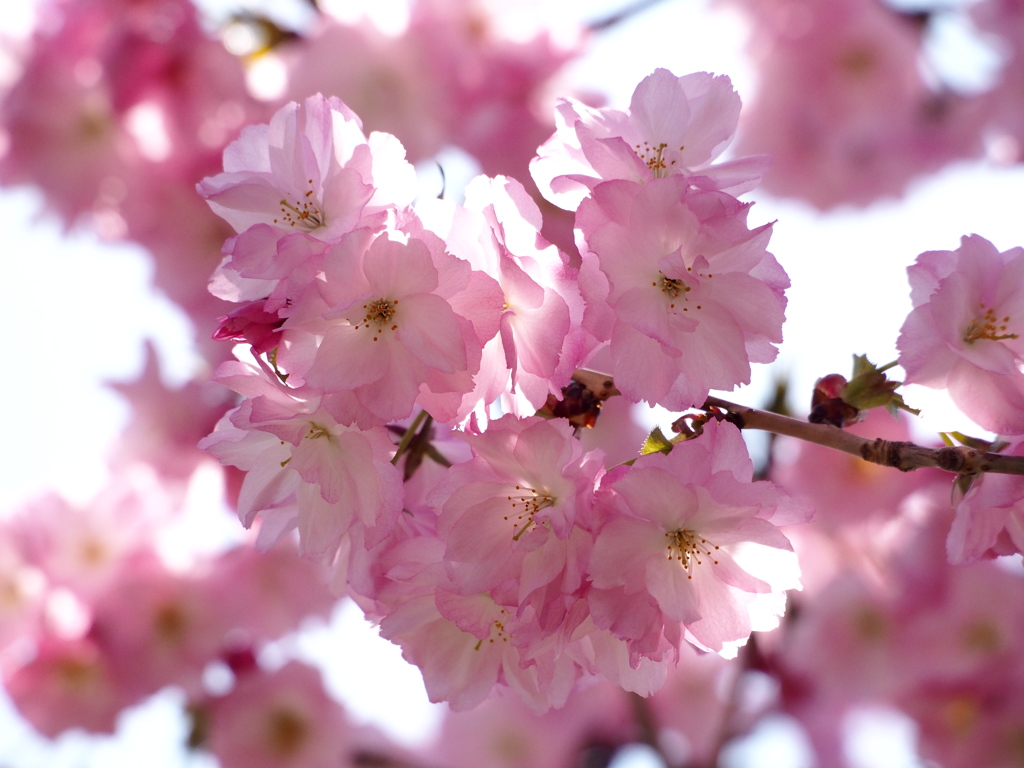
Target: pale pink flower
690	530
280	719
463	646
385	327
539	342
989	518
156	627
674	126
503	733
68	684
843	106
686	293
958	660
971	632
494	62
261	264
466	73
267	594
63	132
964	333
310	170
509	513
634	664
844	645
968	724
80	547
120	109
404	565
305	468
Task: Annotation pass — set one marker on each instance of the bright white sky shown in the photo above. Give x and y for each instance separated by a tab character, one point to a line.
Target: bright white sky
81	310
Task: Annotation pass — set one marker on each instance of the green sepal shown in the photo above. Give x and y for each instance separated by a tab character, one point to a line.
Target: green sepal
869	387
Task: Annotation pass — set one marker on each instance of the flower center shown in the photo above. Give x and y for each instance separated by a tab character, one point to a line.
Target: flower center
302	212
988	326
379	315
672	287
287	731
654	157
316	431
501	634
689	549
526	502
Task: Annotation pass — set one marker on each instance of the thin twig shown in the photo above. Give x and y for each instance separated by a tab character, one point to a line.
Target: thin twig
904	456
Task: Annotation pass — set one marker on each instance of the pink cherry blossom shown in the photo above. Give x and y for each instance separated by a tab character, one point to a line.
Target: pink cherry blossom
675	125
964	333
280	719
81	547
267	594
509	514
539	342
681	529
67	685
463	644
989	518
157	628
843	646
502	732
465	73
304	468
385	327
495	62
117	99
687	295
844	106
310	170
634	655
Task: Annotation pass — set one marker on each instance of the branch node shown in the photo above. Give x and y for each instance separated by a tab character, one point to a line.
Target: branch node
950	459
880	451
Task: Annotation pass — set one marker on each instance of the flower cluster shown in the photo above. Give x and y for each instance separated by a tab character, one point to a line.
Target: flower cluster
683	294
405	425
964	336
501	553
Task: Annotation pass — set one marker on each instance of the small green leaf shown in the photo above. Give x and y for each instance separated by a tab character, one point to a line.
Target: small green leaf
977	443
656	442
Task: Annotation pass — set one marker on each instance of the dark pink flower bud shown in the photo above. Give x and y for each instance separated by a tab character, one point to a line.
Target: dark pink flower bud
252	324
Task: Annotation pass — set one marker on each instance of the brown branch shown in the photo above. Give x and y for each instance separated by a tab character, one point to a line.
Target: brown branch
904	456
